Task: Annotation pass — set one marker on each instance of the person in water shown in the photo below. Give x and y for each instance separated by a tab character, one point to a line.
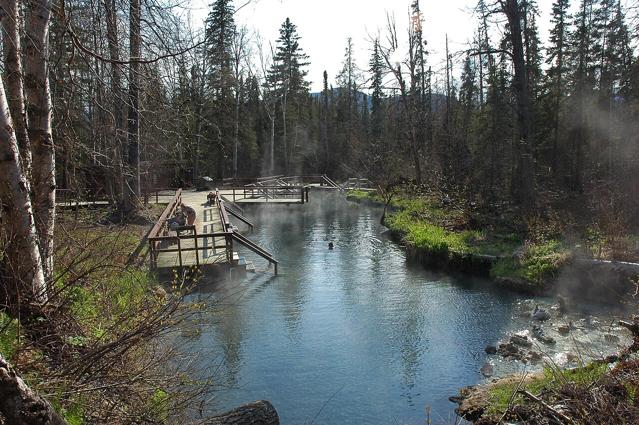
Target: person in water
330	245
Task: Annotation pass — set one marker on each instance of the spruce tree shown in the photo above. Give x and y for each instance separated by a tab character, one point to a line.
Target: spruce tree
558	67
287	77
219	35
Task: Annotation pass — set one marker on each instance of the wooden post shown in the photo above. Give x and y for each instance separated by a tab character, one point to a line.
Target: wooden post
197	252
157	196
179	250
152	254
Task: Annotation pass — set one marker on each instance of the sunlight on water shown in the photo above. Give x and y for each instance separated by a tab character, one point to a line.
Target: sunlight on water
352	335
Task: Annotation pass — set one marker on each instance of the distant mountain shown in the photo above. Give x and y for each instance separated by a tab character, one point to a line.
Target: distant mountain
361	97
438	101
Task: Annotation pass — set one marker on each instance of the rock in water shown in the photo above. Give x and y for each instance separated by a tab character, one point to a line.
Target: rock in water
538	332
487	370
533	356
521	340
610	338
491	349
564	329
540	314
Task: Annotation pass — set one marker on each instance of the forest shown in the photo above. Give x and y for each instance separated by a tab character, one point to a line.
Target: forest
526	115
114	100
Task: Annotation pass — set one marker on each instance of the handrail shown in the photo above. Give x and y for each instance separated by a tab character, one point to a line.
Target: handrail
255	248
332	183
226	223
240	217
168	211
233	204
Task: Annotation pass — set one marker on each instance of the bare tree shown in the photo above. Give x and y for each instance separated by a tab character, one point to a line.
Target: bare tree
132	191
524	181
39	110
408	92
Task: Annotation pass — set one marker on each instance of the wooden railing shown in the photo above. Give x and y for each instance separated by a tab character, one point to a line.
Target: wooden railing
255	248
269	193
159	235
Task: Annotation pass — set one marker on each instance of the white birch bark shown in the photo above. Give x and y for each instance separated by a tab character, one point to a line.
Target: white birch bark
39	111
22	263
11	26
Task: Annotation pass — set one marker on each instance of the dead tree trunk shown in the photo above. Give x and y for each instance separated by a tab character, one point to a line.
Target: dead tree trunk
11	24
39	111
19	404
132	190
22	274
256	413
524	181
118	99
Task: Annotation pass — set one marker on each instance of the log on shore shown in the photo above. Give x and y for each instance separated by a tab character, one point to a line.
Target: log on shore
257	413
19	404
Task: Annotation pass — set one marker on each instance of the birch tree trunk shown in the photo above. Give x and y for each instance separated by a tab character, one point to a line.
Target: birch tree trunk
12	25
22	274
39	111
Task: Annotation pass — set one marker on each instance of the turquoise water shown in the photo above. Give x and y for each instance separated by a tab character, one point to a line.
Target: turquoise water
349	336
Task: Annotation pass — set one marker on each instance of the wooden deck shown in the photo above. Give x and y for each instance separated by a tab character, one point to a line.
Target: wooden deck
212	250
266	195
210	242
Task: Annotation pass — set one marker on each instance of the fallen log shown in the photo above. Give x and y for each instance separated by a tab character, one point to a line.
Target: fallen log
19	404
257	413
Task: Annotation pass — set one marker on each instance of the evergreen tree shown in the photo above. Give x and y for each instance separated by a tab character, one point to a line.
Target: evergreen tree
219	36
376	71
558	68
287	78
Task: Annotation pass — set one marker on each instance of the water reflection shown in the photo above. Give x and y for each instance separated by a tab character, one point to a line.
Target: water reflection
354	332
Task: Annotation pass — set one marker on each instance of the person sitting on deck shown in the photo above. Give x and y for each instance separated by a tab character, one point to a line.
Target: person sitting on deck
190	215
211	197
176	222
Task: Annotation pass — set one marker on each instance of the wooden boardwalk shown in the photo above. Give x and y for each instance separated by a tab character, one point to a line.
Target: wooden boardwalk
210	250
208	243
266	195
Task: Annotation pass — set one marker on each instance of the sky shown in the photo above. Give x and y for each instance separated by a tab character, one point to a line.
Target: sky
325	26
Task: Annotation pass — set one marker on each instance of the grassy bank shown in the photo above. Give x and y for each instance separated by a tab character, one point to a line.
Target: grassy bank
450	230
596	393
95	351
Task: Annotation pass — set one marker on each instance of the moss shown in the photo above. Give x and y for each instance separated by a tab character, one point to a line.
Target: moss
500	395
538	262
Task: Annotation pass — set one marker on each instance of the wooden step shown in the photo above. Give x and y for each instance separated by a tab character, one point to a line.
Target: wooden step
250	267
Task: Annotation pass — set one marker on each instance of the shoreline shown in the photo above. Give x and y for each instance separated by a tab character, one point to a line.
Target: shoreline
603	281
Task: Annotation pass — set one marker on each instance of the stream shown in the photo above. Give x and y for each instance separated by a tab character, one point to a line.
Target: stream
355	335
